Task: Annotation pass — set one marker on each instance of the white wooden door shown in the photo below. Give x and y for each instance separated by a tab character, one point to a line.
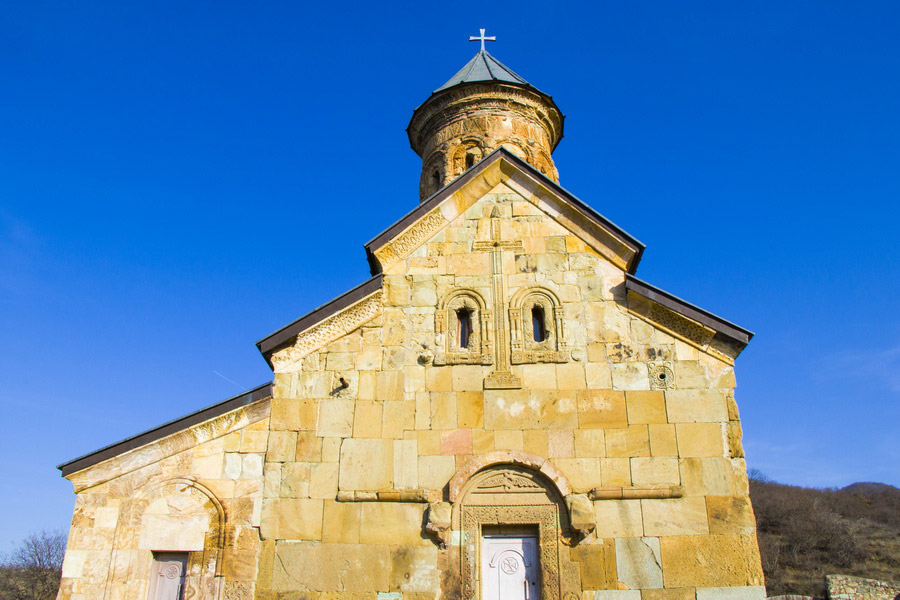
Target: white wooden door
509	567
167	576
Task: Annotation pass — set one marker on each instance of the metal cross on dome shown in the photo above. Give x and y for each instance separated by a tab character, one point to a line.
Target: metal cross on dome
482	38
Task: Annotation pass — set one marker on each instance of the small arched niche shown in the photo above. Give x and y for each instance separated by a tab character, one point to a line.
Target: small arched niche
520	501
462	326
536	332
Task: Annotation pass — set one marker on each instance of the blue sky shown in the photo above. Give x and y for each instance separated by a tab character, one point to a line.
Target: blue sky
178	180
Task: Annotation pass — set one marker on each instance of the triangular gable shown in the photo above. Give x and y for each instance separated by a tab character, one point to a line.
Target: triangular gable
502	166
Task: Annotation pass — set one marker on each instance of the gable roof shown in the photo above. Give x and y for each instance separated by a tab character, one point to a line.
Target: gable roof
166	429
538	178
686	309
484	67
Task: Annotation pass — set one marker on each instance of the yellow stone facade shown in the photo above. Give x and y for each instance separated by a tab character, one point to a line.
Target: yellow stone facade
371	467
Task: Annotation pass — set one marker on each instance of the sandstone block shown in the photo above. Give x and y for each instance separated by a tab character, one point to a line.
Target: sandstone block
690	374
539	377
366	464
662	440
700	439
524	409
254	441
617	595
655	471
707	477
367	419
561	443
341	522
437	379
443	411
323	480
696	406
668	594
398	417
415	569
292	519
570	376
618	518
631	441
482	441
352	568
589	443
435	471
615	472
309	447
335	418
754	592
598	375
406	464
630	376
391	523
582	473
597	563
389	385
470	409
724	560
467	378
646	406
730	514
509	439
535	442
282	446
638	562
456	441
601	409
675	517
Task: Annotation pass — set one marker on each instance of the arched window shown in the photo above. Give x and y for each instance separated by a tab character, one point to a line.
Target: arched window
461	327
536	327
464	327
435	180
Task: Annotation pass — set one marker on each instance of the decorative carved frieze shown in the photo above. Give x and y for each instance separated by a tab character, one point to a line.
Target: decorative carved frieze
409	240
328	330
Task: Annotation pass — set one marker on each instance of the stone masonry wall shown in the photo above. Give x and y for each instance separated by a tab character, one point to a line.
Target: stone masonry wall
847	587
199	491
351	482
410	418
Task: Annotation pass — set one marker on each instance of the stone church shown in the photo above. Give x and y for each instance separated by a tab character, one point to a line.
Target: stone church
504	411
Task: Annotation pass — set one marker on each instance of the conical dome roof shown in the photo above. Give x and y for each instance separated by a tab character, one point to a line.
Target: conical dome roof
484	67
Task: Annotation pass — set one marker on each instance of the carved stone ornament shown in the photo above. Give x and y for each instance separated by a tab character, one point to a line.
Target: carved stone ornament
517	496
328	330
446	327
523	347
661	377
402	245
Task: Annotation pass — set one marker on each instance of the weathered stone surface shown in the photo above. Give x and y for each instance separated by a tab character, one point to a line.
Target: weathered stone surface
292	519
646	406
675	516
696	406
730	514
391	523
711	561
618	518
350	568
756	592
366	464
597	563
700	439
638	562
655	471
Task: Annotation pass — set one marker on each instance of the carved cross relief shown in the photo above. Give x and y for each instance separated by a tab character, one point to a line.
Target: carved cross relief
501	378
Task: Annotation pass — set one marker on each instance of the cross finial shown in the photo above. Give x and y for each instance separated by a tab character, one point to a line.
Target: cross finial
482	38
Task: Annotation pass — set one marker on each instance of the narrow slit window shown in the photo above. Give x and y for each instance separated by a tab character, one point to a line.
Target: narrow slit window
464	319
470	159
538	324
435	181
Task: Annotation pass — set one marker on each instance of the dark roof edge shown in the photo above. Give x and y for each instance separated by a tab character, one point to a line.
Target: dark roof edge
432	201
273	340
166	429
687	309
